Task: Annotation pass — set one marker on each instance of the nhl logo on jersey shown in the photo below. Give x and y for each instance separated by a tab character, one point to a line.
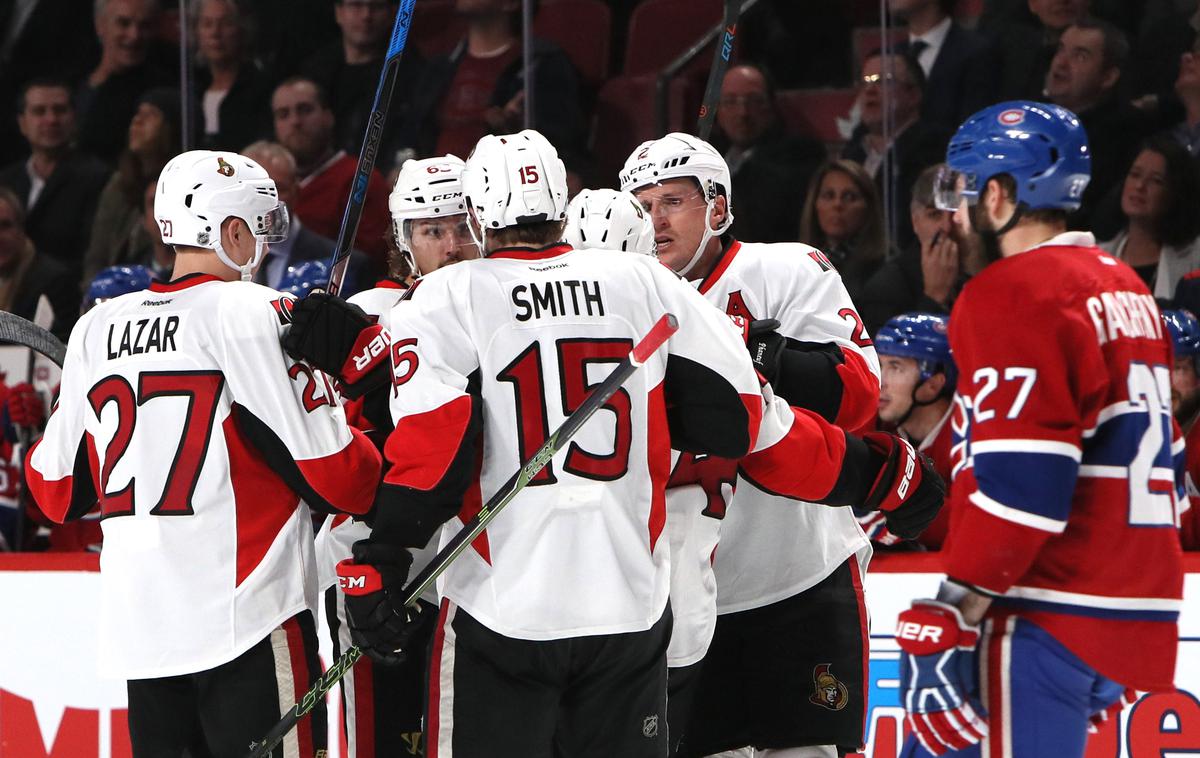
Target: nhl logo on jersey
650	726
224	168
828	692
1011	117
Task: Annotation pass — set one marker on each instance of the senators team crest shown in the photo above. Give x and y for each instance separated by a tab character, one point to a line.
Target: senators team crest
828	691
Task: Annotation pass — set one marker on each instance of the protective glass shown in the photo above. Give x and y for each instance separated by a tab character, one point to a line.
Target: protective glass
951	187
273	225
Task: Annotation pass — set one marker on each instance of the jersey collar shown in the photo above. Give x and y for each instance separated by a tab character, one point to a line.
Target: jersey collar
183	282
532	254
722	263
389	284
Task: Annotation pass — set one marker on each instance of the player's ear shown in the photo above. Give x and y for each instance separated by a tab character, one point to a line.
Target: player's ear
720	210
931	388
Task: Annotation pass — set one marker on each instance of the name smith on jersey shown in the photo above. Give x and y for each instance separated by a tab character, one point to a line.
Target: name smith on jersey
570	297
143	335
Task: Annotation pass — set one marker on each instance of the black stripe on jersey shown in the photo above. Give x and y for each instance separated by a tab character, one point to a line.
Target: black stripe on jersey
808	377
705	413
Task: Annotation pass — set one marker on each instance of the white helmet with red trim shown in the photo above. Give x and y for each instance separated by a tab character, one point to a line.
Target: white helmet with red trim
513	179
682	156
199	189
609	220
429	188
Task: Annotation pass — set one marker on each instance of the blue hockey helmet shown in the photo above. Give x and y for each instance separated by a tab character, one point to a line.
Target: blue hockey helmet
1042	147
1185	332
922	337
301	279
115	281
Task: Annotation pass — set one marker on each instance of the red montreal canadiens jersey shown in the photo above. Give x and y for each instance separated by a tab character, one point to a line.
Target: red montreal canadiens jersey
179	407
771	547
1069	482
521	337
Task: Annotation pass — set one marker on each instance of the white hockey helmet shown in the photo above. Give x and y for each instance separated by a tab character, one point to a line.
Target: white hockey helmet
429	188
682	156
199	189
609	220
513	179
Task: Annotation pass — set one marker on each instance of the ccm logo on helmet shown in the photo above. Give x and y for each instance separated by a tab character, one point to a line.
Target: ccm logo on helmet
447	196
910	630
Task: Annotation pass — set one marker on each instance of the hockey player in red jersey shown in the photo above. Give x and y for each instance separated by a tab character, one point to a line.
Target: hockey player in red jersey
1067	475
180	412
779	569
1185	404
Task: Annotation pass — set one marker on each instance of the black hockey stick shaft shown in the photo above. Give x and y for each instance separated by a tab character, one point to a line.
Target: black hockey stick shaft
654	339
18	331
720	64
370	148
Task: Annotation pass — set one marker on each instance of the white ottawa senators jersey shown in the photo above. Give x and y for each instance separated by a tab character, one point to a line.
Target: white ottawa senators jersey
580	551
181	410
1068	485
772	549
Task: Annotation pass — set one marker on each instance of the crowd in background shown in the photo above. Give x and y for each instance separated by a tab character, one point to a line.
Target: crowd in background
94	109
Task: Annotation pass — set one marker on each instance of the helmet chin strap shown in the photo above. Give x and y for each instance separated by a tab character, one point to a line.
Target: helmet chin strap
709	233
247	269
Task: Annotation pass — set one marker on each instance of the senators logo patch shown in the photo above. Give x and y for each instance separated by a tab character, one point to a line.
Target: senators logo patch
224	168
828	691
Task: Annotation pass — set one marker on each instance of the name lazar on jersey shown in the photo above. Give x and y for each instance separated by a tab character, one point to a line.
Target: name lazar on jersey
556	298
137	336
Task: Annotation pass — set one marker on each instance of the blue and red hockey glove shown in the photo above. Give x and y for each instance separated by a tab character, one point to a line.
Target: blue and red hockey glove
938	677
373	583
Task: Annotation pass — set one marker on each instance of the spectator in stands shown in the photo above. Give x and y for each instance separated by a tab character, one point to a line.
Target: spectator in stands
1158	201
770	168
1187	88
928	274
843	219
959	71
348	69
1083	78
894	145
304	124
59	185
161	261
107	98
26	276
478	88
231	91
1025	41
117	235
302	244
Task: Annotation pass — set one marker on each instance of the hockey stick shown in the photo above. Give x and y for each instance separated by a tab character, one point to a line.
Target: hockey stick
370	146
18	331
716	74
654	339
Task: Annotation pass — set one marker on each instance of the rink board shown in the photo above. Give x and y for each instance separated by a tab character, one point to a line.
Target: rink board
53	705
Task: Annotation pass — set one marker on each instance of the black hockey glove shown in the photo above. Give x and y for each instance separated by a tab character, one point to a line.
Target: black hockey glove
766	346
373	582
340	339
906	489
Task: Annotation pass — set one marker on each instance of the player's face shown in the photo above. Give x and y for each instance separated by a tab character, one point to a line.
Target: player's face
678	210
217	31
841	207
144	129
48	119
365	23
1077	75
124	30
1145	194
437	242
897	384
745	113
1184	382
1057	14
301	124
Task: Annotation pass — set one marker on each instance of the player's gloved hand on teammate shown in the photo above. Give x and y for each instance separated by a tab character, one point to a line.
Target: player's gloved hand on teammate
25	406
373	582
907	489
339	338
938	680
766	346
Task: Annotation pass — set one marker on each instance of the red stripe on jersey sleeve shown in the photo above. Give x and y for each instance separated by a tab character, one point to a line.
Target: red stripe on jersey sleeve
262	501
53	496
422	446
814	443
860	392
347	479
658	461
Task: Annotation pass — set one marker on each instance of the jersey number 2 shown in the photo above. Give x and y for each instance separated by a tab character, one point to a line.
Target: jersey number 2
529	391
202	390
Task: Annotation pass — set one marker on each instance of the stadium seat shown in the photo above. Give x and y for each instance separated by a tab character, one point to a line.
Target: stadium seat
436	28
868	38
814	112
659	30
583	28
625	118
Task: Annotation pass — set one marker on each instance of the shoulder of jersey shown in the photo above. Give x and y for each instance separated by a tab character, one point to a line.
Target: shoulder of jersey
782	256
1050	275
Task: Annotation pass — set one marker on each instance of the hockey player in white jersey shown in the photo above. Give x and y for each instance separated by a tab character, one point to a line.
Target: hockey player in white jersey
607	219
202	437
383	705
792	623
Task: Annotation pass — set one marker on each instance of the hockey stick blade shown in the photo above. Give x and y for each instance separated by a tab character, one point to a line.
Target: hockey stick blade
18	331
654	339
720	64
370	148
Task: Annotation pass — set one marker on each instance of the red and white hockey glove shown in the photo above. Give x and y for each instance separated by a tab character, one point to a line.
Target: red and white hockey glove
340	338
373	582
907	489
938	677
25	406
